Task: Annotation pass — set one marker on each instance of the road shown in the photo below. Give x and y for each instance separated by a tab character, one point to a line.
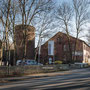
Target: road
75	80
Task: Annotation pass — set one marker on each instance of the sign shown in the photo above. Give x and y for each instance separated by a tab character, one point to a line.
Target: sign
50	47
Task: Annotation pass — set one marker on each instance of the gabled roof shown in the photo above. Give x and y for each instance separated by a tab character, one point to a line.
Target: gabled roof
65	35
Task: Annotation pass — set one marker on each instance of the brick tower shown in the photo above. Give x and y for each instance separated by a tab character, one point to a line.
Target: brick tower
30	41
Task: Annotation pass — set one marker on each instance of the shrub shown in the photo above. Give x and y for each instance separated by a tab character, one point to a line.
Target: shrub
46	63
58	62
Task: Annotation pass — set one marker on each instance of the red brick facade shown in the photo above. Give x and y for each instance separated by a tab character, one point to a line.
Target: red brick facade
30	41
61	51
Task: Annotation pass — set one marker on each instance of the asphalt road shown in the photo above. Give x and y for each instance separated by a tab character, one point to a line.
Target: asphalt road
75	80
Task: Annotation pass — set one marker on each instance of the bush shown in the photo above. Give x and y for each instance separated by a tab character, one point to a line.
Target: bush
58	62
46	64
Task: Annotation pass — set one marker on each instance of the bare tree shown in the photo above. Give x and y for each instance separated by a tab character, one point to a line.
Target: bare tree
28	10
14	12
88	36
81	13
5	12
43	30
64	15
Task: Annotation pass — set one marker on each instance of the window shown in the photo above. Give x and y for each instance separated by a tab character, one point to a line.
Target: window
59	40
84	47
49	49
73	46
65	48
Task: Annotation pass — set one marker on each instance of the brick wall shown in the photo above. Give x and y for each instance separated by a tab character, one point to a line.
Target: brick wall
30	41
60	43
86	53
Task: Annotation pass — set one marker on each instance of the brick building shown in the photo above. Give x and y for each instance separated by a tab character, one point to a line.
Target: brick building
57	48
30	41
0	52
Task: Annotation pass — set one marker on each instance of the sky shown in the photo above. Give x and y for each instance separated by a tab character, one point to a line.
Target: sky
60	1
87	26
59	29
82	35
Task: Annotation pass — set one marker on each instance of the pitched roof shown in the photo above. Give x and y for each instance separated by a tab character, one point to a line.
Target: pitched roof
65	34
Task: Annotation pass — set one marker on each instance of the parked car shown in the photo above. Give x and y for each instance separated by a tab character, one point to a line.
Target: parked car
30	62
18	62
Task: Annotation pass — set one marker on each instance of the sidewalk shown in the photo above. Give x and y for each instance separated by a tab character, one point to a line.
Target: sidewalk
32	76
